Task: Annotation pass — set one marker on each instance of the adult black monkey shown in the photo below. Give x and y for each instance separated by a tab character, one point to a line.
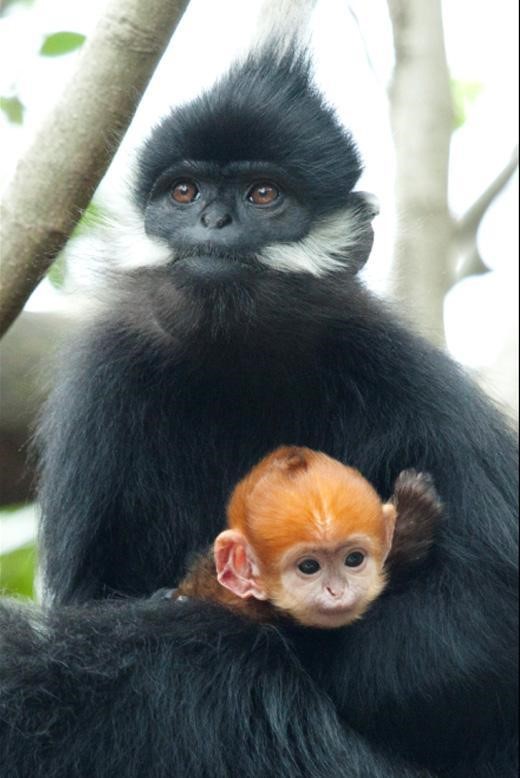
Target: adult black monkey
249	331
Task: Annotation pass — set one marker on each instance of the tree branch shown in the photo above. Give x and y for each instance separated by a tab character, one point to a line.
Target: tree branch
472	264
56	178
467	226
465	230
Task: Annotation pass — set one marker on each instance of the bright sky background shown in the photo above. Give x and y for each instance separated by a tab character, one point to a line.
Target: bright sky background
353	62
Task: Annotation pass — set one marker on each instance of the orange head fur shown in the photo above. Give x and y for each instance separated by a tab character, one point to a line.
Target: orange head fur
296	495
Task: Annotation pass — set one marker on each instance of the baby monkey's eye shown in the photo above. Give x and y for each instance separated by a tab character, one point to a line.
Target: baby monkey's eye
185	192
264	193
308	566
355	559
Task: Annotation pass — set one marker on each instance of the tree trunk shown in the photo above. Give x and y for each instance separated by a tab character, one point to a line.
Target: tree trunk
57	176
421	114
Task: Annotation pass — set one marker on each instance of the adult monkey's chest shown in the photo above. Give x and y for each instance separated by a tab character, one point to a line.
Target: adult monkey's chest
229	425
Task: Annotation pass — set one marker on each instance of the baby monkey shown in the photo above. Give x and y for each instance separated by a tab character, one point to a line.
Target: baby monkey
310	539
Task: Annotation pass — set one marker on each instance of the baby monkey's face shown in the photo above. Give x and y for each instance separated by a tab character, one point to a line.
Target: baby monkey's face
328	585
308	534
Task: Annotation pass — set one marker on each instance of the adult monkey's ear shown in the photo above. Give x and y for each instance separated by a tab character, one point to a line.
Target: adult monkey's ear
363	207
237	569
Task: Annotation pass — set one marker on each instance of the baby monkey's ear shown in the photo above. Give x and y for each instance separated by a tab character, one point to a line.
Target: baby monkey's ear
390	517
237	568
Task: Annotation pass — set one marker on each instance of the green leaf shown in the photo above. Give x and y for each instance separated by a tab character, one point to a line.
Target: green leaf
463	95
57	271
7	510
91	216
17	570
13	109
5	4
61	43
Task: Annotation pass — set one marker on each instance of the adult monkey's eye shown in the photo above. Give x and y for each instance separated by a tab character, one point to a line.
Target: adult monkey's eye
309	566
355	559
263	194
185	192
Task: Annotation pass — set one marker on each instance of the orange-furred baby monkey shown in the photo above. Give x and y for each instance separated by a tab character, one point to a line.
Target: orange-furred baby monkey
309	538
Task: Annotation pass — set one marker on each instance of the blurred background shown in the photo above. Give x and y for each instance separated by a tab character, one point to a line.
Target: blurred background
449	260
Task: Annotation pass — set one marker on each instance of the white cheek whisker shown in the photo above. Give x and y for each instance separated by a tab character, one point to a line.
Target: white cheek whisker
122	241
131	247
324	250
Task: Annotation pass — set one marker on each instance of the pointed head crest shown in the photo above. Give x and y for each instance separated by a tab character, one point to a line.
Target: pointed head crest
264	110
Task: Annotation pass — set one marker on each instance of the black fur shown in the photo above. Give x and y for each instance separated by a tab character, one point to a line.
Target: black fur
165	402
190	692
261	111
419	514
